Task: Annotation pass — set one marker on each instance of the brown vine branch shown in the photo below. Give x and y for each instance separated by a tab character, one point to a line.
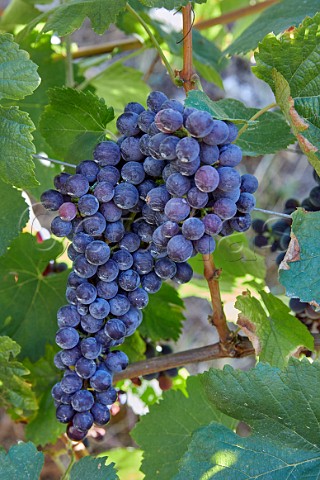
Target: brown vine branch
234	15
211	274
187	71
241	348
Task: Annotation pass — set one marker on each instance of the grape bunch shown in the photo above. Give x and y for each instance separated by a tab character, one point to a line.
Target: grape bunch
135	215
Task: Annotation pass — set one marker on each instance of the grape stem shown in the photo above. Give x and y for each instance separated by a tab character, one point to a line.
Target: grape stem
271	212
186	74
240	347
154	42
53	160
212	274
255	116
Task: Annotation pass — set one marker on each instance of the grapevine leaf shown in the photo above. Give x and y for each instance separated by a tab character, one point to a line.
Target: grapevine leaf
69	16
74	122
52	72
168	4
16	148
127	462
15	393
259	138
235	259
164	434
299	269
43	427
18	74
134	347
274	333
283	413
276	19
132	86
29	301
23	461
290	64
14	214
90	467
17	12
163	317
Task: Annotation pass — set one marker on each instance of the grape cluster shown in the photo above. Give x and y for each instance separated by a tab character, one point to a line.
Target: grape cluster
135	215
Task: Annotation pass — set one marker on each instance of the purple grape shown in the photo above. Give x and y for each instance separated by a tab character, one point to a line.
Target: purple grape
77	185
165	268
72	252
193	228
157	198
85	367
82	401
127	123
75	434
90	324
206	179
129	280
170	229
115	328
188	168
138	298
130	150
133	172
155	100
123	258
107	153
95	224
90	348
109	271
69	357
212	224
130	242
183	274
229	179
80	241
178	184
145	187
233	132
199	123
205	244
101	380
209	154
52	200
97	252
145	120
196	198
109	174
100	308
133	318
67	211
119	305
71	383
114	232
67	337
82	421
126	195
110	211
60	183
218	134
116	361
177	209
230	155
246	202
134	107
104	191
145	232
179	249
88	205
142	262
68	316
151	283
225	208
86	293
241	224
83	268
168	120
88	169
187	150
108	397
60	228
64	413
100	413
153	167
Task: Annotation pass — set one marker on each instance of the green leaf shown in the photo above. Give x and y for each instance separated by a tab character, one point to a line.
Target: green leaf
74	122
14	214
52	73
134	347
16	148
43	427
290	64
164	433
23	461
299	269
119	83
276	19
93	468
15	393
18	74
17	12
163	317
259	138
282	411
69	16
127	462
168	4
274	333
236	259
29	301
